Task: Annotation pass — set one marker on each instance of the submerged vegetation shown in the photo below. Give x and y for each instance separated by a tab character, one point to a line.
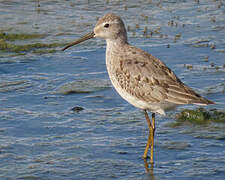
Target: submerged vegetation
8	45
14	37
83	86
199	116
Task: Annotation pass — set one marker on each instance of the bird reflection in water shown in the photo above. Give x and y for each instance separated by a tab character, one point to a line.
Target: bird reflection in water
149	168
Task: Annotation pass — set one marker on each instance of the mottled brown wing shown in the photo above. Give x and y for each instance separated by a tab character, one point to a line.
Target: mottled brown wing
151	80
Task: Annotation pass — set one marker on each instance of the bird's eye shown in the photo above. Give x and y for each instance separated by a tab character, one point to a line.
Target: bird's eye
106	25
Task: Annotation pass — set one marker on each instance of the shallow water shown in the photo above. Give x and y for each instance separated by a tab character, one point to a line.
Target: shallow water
42	138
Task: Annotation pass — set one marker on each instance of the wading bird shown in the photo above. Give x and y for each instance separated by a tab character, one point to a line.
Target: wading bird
140	78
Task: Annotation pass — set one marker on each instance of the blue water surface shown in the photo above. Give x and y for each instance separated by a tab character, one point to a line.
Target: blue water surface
42	138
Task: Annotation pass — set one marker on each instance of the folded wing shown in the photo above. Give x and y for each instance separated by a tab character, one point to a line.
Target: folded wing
151	80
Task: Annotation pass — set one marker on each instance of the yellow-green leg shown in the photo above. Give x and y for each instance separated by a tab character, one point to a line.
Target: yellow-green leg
150	142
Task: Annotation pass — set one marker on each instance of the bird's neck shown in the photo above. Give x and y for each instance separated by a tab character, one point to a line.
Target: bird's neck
113	51
117	40
116	45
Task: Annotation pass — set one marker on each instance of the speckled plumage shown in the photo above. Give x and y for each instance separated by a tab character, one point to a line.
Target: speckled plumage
140	78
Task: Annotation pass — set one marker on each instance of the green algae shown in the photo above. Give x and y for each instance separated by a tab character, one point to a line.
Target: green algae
196	116
34	47
7	44
199	116
21	36
218	116
44	51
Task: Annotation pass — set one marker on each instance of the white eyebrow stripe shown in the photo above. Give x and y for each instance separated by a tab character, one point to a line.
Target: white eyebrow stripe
112	22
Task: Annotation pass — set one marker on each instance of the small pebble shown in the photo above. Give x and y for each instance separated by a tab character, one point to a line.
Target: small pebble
77	109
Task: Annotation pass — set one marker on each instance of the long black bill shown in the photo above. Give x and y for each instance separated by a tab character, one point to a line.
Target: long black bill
83	38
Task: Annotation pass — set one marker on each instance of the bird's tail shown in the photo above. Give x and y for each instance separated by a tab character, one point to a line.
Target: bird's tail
203	102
